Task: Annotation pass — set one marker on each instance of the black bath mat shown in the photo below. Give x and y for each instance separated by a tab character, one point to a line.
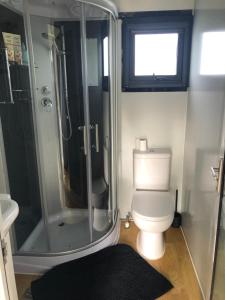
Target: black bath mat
114	273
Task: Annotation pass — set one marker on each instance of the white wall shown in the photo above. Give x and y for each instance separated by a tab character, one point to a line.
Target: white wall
159	116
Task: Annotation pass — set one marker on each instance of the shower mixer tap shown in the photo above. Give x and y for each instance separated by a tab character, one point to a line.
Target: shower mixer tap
46	103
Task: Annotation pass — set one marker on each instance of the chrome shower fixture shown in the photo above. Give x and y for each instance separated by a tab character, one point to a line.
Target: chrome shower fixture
51	38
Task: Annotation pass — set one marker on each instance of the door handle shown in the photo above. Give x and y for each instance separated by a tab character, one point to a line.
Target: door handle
217	173
83	128
96	138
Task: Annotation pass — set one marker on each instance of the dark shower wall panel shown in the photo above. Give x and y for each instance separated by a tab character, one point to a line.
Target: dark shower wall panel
95	30
96	113
20	82
76	159
21	164
19	140
15	152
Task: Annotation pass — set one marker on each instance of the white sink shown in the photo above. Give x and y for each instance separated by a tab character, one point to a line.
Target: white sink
8	212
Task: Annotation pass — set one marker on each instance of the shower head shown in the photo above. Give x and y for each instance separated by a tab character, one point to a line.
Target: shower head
51	33
51	37
48	36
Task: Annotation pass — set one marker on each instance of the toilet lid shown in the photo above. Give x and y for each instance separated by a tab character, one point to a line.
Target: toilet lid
149	204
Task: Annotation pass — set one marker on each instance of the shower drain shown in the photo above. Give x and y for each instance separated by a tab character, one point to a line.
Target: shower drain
61	224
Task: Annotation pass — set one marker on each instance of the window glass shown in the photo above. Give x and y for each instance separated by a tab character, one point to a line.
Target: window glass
156	54
106	56
213	53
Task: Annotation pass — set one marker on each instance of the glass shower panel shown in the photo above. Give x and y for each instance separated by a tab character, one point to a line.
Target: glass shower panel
56	46
97	45
65	191
16	115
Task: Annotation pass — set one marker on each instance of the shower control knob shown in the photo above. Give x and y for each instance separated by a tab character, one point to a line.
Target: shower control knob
46	103
45	90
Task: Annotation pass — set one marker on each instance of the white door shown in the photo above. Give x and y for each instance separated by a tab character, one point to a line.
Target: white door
204	139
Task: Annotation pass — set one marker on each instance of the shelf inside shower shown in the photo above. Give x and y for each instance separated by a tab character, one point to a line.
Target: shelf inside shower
64	232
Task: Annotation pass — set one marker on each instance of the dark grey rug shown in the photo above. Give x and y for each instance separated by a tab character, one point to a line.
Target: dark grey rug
114	273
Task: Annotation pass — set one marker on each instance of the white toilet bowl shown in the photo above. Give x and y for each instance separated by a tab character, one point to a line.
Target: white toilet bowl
153	214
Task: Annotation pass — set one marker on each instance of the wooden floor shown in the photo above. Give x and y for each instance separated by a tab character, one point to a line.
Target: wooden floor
175	265
23	283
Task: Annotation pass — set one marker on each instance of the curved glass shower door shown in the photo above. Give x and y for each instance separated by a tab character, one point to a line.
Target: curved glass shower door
97	28
60	125
73	119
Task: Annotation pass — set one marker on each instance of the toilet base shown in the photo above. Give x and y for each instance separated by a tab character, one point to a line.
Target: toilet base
150	245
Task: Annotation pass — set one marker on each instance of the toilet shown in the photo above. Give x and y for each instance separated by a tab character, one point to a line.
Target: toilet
152	203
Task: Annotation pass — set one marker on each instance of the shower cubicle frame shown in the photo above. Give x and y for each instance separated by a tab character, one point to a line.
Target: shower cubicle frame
40	262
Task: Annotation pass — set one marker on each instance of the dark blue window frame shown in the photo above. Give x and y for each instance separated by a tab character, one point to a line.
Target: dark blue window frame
156	22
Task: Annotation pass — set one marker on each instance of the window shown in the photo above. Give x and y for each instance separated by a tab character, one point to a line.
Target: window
106	56
156	50
105	63
150	55
212	54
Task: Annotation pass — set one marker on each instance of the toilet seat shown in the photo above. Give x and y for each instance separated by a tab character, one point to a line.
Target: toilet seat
154	206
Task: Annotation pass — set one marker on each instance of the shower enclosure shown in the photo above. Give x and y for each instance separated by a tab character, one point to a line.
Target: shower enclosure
58	127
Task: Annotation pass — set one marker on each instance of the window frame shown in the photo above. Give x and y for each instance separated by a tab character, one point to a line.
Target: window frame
156	22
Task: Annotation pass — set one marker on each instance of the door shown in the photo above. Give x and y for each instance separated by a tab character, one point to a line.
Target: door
204	144
97	31
218	289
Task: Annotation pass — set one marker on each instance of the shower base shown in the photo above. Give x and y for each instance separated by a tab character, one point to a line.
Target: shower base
64	232
66	238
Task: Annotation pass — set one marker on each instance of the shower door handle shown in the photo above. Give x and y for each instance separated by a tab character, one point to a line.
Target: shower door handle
83	128
96	138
